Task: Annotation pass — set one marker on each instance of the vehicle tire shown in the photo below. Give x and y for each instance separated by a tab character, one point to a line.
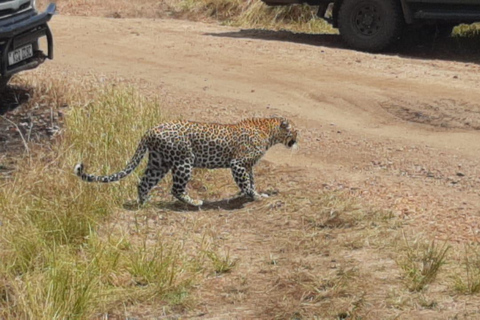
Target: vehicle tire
370	25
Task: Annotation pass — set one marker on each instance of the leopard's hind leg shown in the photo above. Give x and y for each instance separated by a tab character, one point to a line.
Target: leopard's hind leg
182	174
155	171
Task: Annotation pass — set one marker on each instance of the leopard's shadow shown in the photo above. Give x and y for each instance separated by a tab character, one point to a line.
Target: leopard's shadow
225	204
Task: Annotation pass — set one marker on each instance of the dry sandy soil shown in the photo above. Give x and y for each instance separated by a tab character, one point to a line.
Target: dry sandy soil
398	131
402	131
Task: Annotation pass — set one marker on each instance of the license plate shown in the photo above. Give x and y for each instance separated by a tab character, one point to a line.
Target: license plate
20	54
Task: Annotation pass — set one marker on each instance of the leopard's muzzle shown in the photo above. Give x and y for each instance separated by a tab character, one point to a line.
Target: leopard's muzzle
292	140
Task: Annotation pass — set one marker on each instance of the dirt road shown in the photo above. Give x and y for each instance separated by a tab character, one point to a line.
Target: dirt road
401	132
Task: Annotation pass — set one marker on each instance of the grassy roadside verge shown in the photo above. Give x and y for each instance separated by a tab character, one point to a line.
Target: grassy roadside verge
54	261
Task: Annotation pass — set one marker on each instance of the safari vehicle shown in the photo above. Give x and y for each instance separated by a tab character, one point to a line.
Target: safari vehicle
372	25
21	27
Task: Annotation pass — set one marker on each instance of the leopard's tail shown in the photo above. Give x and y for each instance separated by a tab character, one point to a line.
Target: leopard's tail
134	162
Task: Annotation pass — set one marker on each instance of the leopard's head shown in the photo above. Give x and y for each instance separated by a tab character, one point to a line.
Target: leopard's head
285	133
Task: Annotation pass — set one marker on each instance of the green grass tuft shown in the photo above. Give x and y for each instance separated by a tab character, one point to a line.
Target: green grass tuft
54	261
421	263
469	283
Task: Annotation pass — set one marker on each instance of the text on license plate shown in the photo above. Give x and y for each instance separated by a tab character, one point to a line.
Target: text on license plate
20	54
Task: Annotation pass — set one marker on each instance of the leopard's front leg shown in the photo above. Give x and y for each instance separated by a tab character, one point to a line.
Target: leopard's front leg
243	177
252	184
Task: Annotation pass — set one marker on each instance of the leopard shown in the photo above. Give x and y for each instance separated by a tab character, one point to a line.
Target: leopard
181	145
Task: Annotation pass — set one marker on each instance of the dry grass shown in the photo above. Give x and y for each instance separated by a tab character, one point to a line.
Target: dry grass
110	8
246	14
53	262
71	249
467	30
421	263
468	282
74	250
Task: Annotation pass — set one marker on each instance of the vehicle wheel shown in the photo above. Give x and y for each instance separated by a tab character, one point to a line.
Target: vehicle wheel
370	25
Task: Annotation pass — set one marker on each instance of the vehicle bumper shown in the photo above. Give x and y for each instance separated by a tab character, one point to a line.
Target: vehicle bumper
20	31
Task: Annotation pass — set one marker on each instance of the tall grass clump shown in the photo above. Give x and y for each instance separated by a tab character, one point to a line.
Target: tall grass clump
53	262
221	264
467	30
421	263
469	282
241	13
105	135
218	9
299	18
256	14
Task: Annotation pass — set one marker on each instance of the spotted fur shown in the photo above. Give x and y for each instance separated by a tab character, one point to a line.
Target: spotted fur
181	146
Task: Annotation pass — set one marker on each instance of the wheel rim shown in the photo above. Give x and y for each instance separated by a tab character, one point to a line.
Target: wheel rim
367	19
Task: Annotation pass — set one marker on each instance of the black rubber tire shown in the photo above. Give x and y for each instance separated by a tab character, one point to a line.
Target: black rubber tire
370	25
